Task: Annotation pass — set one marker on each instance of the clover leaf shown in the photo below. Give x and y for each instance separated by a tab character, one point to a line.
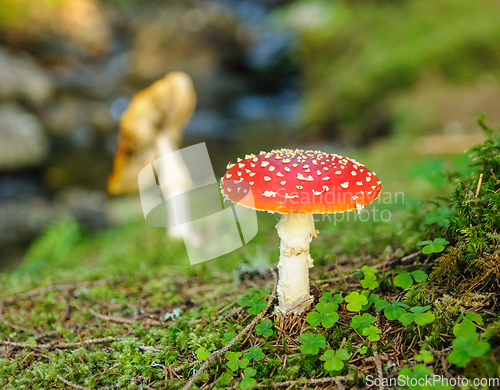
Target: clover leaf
441	216
435	246
361	322
334	360
311	343
327	297
372	333
370	282
356	301
327	315
225	379
466	347
255	306
248	381
417	314
405	279
264	328
363	350
234	361
202	353
393	310
424	356
228	336
254	353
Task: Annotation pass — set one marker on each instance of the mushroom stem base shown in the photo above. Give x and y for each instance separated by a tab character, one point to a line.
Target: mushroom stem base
296	232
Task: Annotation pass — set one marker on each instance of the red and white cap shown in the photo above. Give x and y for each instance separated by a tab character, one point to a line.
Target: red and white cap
297	181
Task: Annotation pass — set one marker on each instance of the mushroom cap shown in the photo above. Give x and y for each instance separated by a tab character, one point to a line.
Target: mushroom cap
164	107
297	181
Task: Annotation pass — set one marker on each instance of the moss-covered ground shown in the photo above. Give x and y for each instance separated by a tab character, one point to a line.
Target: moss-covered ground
412	292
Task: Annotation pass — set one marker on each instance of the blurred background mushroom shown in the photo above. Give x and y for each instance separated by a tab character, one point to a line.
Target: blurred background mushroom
150	128
373	80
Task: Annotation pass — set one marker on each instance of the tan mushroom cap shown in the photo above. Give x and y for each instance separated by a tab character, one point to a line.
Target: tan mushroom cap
164	107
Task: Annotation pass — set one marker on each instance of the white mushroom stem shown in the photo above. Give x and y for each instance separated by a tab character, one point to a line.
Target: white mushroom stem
296	232
175	180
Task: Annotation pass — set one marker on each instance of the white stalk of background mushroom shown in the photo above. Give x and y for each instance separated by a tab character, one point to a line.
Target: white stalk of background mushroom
175	180
296	232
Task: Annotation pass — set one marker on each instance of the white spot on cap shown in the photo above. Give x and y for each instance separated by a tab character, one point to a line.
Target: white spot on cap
378	182
368	178
252	174
241	165
299	187
318	172
345	184
295	165
252	165
287	169
251	183
229	189
326	168
373	187
272	168
247	170
338	172
238	181
267	178
269	194
228	175
300	176
353	173
279	174
326	178
290	197
283	182
239	173
354	197
359	183
317	192
238	189
359	207
264	163
369	173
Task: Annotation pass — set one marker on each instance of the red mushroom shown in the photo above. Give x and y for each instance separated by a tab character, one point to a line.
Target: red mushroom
298	184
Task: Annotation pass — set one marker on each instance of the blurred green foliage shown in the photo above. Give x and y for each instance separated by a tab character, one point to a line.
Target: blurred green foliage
357	56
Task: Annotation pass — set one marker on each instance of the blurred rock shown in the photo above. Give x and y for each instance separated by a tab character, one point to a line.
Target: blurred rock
67	114
22	140
87	207
22	220
23	79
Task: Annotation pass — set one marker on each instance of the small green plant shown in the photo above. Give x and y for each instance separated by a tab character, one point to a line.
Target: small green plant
393	310
424	356
405	279
202	353
234	362
363	350
327	297
435	246
326	315
311	343
363	321
228	336
355	301
369	280
372	332
248	382
418	314
255	306
264	329
467	344
334	360
441	216
254	353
